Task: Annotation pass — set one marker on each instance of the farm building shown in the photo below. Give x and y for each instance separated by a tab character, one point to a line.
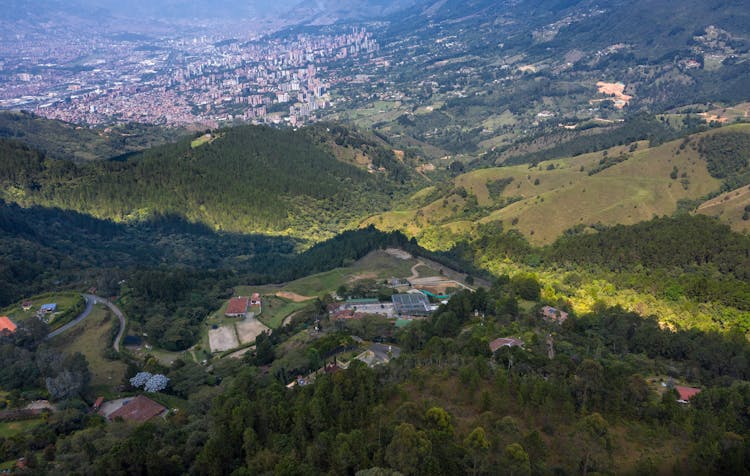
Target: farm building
412	304
7	326
47	308
686	393
237	307
255	299
505	342
140	409
555	315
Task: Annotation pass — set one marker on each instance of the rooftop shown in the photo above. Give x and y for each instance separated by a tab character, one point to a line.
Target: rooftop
686	393
140	409
237	305
6	325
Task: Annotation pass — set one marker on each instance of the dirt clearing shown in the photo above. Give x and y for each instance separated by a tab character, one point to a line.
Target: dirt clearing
223	338
249	329
293	296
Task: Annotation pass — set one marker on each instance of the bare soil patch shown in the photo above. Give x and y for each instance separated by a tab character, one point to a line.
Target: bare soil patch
223	338
293	296
400	254
249	329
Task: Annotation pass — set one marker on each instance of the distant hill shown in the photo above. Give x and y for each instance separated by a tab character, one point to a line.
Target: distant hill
245	180
621	185
61	140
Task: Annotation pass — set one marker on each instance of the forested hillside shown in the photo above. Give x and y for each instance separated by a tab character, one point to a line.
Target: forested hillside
245	180
61	140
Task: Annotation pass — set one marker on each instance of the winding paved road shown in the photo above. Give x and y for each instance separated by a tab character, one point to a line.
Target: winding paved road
90	301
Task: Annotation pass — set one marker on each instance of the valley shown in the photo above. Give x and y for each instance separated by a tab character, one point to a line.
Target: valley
375	239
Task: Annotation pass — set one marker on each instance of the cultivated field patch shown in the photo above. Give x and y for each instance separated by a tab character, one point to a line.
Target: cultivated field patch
249	328
222	338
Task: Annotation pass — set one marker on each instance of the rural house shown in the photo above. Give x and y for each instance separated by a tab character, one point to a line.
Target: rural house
686	393
237	307
140	409
7	326
255	299
555	315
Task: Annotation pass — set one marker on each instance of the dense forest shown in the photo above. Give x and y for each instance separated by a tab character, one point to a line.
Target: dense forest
694	256
247	180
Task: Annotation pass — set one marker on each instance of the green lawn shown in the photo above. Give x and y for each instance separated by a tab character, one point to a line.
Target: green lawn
12	428
204	139
91	337
64	301
275	309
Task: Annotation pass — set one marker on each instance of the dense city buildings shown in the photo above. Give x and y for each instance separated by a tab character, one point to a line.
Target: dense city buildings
176	80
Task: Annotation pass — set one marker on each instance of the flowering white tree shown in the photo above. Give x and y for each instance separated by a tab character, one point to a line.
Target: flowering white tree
140	379
156	383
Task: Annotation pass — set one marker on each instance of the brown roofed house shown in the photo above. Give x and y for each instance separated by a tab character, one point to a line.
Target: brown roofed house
7	327
551	314
686	393
505	342
140	409
237	307
255	299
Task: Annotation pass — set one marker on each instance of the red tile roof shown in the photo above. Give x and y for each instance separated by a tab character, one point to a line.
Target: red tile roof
140	409
6	325
255	297
686	393
98	403
237	305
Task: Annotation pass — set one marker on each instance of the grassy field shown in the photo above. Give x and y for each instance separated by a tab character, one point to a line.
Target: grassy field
275	309
204	139
730	208
12	428
544	200
91	338
377	265
64	301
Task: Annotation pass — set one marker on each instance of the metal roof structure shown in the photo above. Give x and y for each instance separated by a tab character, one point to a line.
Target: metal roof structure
415	304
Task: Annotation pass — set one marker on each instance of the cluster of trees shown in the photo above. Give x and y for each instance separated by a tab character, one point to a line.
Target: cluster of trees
686	255
30	364
727	155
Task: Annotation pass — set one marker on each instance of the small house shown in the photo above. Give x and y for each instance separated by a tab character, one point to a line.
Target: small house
7	327
237	307
505	342
27	305
255	299
97	404
552	314
47	308
686	393
140	409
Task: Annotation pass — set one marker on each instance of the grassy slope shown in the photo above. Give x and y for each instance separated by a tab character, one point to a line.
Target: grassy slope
91	337
629	192
729	207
